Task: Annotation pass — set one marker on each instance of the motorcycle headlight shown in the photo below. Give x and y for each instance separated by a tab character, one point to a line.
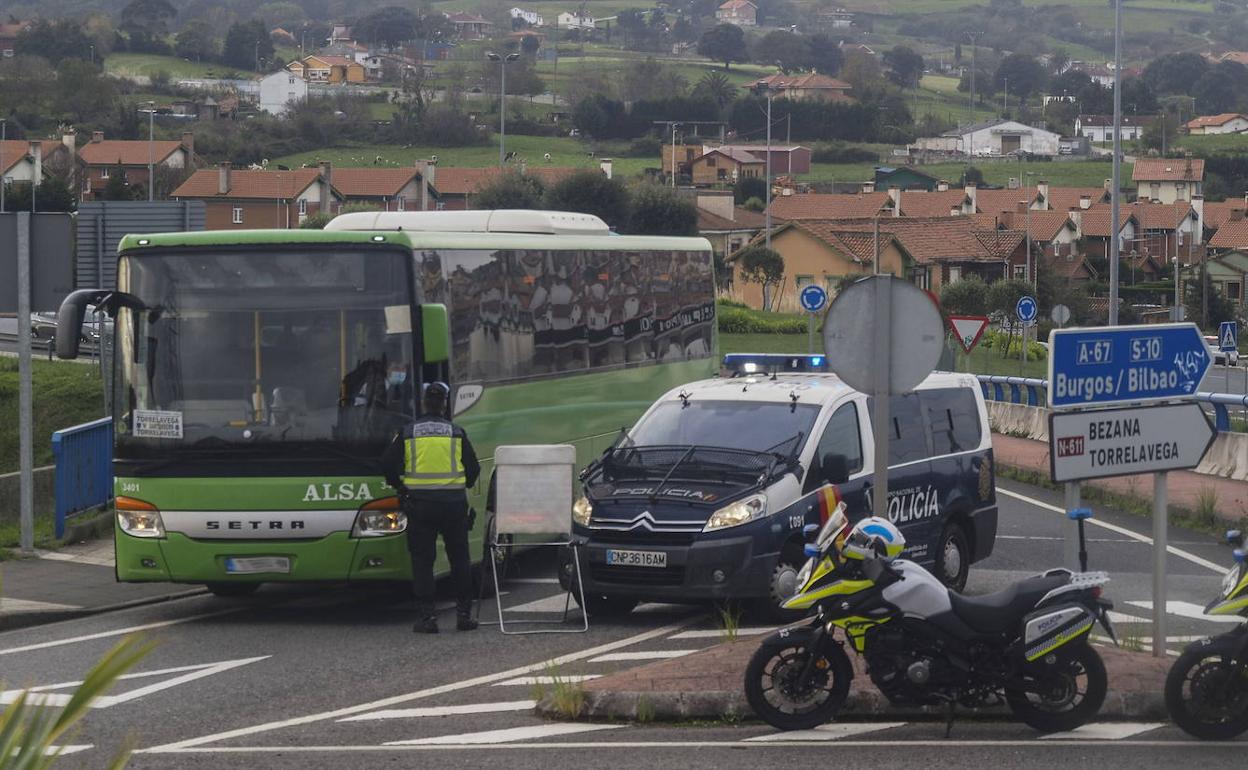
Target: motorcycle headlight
803	574
738	513
138	518
1230	580
380	517
582	510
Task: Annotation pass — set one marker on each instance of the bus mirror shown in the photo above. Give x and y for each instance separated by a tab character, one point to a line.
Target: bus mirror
435	333
73	308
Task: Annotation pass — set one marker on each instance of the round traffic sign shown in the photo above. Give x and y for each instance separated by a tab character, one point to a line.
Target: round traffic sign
1060	315
813	298
1026	309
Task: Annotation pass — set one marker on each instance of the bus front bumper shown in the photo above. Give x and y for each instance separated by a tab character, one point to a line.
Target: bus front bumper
337	556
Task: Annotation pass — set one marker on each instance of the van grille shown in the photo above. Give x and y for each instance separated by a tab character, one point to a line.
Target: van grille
642	536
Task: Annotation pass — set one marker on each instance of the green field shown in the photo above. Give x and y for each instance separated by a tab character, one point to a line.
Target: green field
65	394
1085	173
1203	145
130	65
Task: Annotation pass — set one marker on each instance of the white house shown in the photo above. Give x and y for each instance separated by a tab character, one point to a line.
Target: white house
279	90
1002	137
533	18
1100	128
1226	123
574	20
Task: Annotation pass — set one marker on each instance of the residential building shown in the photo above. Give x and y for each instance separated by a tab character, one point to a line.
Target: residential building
1070	267
387	189
1232	235
1168	179
723	166
1100	128
726	226
827	206
742	13
282	90
681	154
937	203
532	18
804	85
1227	272
1226	123
575	20
9	32
1216	214
834	18
1053	233
945	249
1101	74
470	26
24	161
905	178
995	201
245	200
1167	230
788	159
1069	198
1004	137
340	33
101	158
1095	230
453	187
328	69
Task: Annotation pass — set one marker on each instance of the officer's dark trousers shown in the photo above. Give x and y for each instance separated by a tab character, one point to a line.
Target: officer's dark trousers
428	518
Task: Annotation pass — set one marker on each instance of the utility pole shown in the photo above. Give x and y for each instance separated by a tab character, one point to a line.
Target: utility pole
151	156
674	155
4	128
1116	193
767	210
1005	98
502	60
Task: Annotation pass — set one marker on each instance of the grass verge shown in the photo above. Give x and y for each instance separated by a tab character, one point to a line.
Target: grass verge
65	394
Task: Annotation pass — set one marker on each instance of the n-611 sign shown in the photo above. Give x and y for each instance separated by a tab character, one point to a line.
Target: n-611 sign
1125	364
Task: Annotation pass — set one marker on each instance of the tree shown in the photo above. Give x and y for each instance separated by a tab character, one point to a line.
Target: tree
905	66
146	23
246	44
1174	73
825	54
724	42
786	50
716	86
510	190
1003	297
658	210
968	296
748	187
764	266
389	26
862	71
117	188
55	41
80	92
590	192
595	115
1024	75
530	45
1220	308
197	41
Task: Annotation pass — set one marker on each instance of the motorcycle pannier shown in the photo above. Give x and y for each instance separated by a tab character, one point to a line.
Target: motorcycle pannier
1046	630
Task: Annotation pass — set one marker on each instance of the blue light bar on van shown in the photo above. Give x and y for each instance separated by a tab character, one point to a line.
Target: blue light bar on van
742	364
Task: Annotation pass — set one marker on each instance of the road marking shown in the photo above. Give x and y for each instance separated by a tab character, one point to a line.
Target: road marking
648	655
42	696
531	680
395	700
118	631
715	633
26	605
1191	557
508	735
445	711
831	732
1188	610
61	751
1104	731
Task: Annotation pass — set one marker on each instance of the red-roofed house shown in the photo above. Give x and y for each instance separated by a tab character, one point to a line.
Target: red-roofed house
1226	123
469	26
1095	230
328	69
724	165
1168	179
388	189
1231	235
100	158
805	85
829	206
22	160
247	200
1069	198
742	13
8	37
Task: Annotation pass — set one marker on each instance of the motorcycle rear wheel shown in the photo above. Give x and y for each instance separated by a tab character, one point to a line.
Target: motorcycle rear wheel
1200	698
1054	701
773	692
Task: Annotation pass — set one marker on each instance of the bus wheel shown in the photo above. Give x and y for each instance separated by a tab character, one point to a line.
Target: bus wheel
953	556
232	590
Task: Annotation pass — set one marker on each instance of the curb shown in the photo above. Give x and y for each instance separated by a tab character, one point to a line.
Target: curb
863	705
13	621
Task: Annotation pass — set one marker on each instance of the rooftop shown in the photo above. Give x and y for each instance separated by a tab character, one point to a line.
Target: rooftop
828	205
1213	120
1231	235
1168	170
273	185
126	152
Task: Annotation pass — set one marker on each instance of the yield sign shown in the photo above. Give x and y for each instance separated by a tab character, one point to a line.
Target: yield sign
45	695
968	329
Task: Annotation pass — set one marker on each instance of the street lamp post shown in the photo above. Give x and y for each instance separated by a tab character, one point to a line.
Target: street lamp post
4	128
1027	223
151	157
1175	260
502	60
771	92
1116	193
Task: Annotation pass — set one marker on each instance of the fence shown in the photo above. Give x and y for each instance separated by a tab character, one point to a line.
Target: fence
84	468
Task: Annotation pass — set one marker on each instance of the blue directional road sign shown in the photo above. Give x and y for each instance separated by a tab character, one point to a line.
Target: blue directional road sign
1026	309
1125	364
813	298
1228	336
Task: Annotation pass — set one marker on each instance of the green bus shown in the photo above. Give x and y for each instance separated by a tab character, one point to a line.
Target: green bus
258	375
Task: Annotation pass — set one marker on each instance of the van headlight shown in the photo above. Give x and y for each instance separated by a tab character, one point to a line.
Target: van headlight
138	518
740	512
582	511
380	517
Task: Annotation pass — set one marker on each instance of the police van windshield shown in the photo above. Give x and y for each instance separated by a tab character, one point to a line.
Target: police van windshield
759	427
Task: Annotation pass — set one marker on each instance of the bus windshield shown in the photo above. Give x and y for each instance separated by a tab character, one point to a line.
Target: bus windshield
262	352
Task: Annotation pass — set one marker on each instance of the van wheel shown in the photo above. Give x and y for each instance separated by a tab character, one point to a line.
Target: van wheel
232	590
781	587
953	557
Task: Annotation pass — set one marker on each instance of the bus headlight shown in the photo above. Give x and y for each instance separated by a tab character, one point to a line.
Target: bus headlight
380	517
740	512
138	518
582	510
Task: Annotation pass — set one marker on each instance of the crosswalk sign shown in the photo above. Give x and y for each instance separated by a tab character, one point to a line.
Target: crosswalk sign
1228	336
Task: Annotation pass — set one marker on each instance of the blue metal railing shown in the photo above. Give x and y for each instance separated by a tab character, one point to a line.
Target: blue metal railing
996	387
84	469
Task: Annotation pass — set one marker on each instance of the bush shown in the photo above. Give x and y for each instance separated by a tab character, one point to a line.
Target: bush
754	204
725	302
737	320
839	153
643	148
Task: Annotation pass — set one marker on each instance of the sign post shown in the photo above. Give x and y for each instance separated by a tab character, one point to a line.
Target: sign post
1137	366
1228	336
813	299
25	406
1027	310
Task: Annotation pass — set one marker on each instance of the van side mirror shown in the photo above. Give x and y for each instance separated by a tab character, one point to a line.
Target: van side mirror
835	469
435	332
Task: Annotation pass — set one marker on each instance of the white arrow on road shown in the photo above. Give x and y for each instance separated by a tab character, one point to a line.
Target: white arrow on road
44	697
1120	442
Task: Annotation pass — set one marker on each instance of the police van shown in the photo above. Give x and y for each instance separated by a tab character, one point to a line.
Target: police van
706	496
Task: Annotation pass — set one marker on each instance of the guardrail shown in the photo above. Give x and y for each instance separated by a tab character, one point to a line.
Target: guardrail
84	469
1034	392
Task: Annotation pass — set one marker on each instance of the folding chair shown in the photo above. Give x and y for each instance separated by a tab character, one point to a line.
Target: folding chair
534	497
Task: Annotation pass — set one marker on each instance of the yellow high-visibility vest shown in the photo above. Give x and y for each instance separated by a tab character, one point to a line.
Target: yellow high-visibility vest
433	457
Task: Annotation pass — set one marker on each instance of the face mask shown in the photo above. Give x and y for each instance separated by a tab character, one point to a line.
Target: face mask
396	378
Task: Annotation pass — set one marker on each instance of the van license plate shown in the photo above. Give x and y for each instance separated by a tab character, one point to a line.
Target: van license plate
261	564
637	558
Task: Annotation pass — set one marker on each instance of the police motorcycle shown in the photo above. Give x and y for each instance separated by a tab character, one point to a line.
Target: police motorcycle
1207	688
925	645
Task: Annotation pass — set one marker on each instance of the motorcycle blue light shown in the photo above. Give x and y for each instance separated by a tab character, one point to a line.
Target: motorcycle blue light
1239	555
811	551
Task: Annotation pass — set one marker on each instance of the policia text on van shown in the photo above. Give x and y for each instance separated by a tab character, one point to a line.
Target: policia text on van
706	497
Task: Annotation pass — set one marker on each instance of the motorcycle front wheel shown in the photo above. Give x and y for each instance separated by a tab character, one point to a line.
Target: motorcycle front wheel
1061	691
1205	694
784	698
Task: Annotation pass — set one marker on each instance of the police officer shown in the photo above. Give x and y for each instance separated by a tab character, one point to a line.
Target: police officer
431	462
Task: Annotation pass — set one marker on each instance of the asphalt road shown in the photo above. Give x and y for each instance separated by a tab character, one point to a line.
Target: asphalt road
323	677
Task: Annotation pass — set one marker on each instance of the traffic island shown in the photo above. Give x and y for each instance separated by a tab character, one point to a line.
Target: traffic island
707	685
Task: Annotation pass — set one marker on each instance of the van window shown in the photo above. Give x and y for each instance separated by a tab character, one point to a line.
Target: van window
840	437
907	440
953	417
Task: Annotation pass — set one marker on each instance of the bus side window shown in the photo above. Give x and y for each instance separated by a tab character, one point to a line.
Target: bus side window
840	437
953	417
